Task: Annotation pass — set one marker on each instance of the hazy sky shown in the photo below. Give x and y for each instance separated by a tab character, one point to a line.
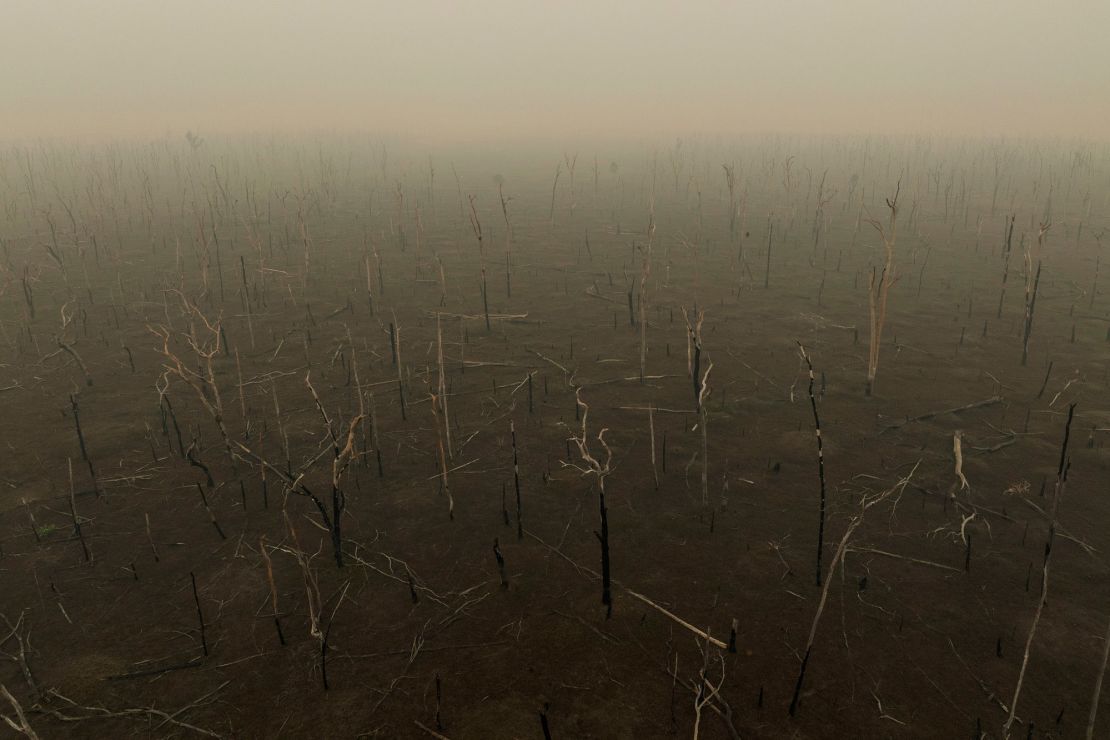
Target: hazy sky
519	68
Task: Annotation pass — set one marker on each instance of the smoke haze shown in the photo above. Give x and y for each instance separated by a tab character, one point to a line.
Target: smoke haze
495	69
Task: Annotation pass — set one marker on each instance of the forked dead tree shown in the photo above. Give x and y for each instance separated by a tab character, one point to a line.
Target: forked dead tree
204	344
342	455
594	465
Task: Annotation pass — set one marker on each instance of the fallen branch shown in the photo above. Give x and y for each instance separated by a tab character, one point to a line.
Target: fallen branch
429	730
924	417
669	614
918	561
193	663
20	723
140	713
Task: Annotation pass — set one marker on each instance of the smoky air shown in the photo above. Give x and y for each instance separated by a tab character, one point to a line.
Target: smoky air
554	370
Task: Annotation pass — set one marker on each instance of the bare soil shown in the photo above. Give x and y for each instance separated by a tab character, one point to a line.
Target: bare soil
922	634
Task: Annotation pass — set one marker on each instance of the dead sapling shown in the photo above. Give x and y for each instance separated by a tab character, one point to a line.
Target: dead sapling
545	726
374	441
73	512
770	234
961	483
75	407
150	538
1032	283
324	647
500	563
820	463
441	394
879	287
211	514
1007	251
395	347
272	585
508	241
554	186
701	394
730	182
516	484
200	615
444	482
824	197
645	273
313	604
476	227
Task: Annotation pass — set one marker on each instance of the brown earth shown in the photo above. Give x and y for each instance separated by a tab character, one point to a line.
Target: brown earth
911	643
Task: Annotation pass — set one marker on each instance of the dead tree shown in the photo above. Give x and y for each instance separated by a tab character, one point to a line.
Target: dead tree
593	465
879	286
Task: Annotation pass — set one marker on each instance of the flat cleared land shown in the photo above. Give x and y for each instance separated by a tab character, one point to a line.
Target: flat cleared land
316	259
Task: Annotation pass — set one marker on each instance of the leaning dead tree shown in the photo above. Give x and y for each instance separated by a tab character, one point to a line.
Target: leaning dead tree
439	412
730	181
1057	494
867	502
879	286
593	465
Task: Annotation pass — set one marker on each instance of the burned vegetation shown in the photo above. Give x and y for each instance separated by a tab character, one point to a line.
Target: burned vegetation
336	439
